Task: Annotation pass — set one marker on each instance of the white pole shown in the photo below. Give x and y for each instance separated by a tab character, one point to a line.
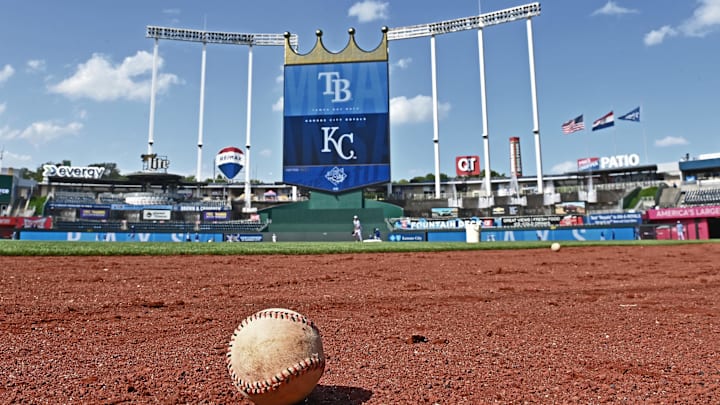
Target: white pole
536	124
247	131
198	174
153	89
483	103
436	140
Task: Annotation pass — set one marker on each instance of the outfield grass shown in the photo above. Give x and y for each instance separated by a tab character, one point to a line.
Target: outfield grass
62	248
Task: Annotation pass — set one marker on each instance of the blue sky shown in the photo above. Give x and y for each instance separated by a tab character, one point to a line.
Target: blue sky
75	80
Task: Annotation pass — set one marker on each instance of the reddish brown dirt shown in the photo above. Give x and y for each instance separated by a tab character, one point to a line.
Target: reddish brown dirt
583	325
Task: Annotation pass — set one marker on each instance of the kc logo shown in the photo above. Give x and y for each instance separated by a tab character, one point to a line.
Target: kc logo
336	87
337	144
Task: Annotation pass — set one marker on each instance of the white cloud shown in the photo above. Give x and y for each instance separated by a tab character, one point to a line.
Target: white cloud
278	105
11	159
403	63
417	109
6	72
173	11
98	79
36	65
671	141
369	10
564	167
266	153
612	8
657	36
705	19
3	106
8	133
42	131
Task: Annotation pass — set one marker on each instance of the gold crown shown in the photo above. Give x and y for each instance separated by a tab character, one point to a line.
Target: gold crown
351	53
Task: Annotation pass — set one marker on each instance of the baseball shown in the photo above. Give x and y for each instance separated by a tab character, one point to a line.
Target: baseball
275	357
555	246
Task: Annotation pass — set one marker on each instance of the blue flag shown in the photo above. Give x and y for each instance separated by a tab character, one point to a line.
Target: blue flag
633	115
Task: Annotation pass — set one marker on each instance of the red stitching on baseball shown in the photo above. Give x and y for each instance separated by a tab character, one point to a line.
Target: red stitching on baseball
302	367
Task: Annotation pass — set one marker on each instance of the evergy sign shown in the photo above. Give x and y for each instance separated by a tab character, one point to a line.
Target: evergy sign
85	172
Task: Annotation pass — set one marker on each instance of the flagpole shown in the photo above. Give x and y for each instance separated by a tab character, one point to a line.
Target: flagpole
614	131
647	159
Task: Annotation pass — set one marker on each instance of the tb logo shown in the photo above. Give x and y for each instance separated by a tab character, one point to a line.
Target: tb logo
335	86
337	144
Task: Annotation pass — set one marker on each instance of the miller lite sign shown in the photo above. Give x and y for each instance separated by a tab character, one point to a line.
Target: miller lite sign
467	165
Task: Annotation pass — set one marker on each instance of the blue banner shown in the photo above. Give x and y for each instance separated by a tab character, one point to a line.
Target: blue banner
336	126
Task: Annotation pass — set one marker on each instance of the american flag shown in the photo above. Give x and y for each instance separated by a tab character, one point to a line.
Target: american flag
574	125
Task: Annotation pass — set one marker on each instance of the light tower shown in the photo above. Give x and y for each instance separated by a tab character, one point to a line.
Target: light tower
478	22
213	37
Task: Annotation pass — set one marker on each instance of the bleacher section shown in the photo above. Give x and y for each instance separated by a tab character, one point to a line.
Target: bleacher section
74	197
702	197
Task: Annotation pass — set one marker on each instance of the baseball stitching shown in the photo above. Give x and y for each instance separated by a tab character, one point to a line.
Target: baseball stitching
295	370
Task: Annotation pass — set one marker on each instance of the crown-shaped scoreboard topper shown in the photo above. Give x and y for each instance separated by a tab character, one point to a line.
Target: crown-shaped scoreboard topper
351	53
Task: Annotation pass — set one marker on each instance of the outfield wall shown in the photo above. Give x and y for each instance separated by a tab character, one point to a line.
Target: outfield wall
496	234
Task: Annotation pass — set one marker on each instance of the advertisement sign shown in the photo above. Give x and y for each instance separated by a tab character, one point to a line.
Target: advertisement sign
467	165
230	161
156	215
6	186
588	164
539	221
685	212
615	218
572	207
451	212
406	237
216	215
94	213
79	172
34	223
608	162
336	134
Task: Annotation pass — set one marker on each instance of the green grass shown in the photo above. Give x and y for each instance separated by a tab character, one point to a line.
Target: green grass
32	248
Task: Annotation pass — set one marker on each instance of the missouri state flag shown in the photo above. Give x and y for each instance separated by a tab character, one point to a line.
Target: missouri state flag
605	121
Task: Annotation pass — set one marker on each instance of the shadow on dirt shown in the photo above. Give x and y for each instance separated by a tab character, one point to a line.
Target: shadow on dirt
337	394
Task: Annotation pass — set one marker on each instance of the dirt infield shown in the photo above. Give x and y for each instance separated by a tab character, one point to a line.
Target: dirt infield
583	325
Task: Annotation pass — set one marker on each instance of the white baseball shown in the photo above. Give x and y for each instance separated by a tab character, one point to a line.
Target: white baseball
555	246
275	357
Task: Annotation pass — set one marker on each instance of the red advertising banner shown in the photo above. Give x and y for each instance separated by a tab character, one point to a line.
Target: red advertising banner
467	165
26	222
684	212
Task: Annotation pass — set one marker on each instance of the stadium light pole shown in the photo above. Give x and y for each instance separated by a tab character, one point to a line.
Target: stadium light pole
153	90
213	37
536	120
478	22
201	114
